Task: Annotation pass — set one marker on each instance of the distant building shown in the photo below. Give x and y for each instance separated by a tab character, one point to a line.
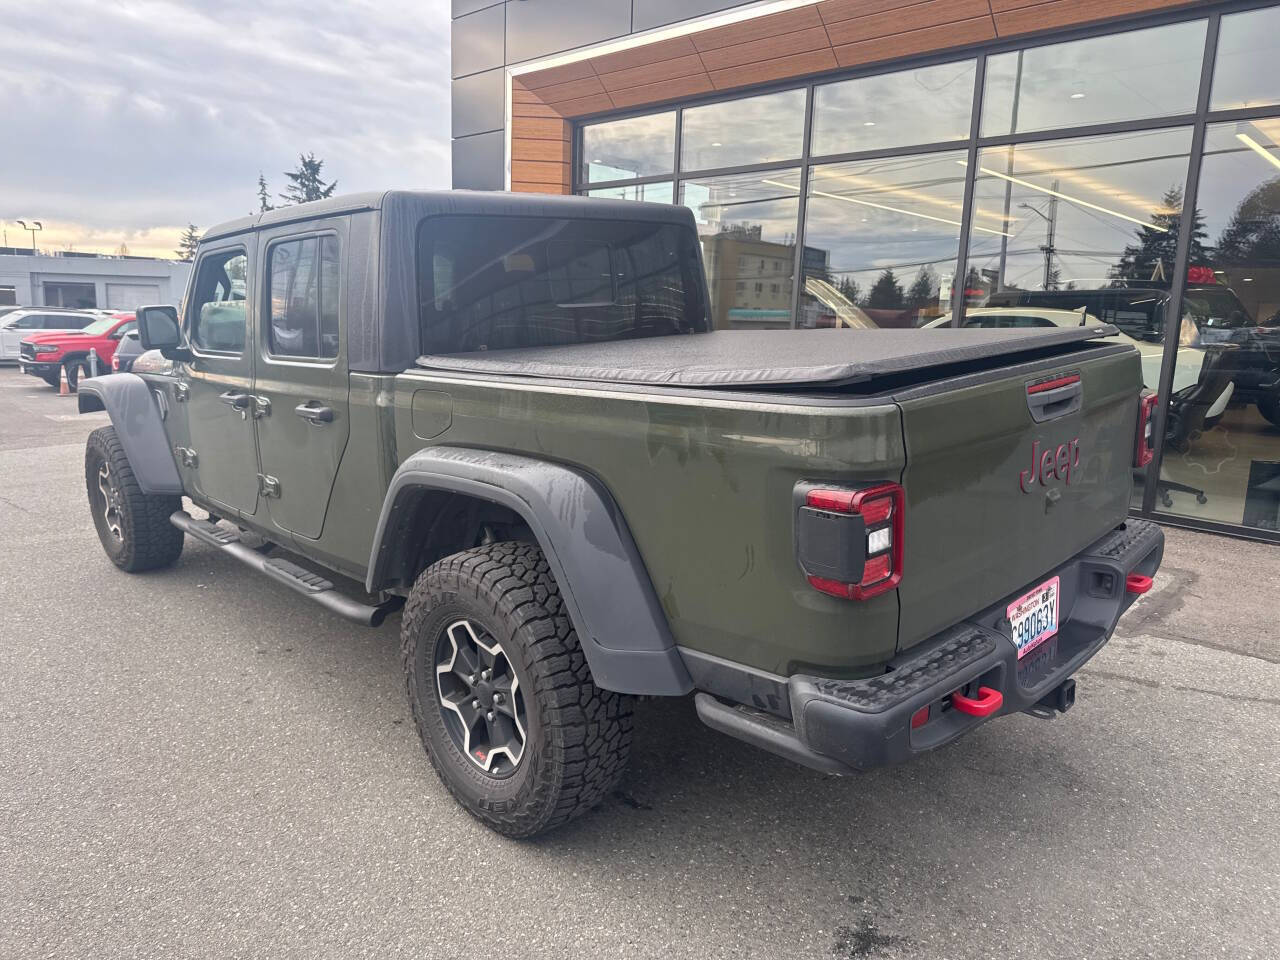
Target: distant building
89	280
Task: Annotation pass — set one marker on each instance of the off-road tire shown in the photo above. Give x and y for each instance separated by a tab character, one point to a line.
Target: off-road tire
578	736
147	539
1269	407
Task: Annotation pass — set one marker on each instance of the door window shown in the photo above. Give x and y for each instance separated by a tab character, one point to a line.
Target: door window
66	321
303	291
32	321
218	304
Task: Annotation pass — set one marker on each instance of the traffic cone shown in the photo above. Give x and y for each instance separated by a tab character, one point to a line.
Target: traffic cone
64	388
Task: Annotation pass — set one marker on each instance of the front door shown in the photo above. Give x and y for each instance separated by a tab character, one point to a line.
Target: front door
221	462
301	384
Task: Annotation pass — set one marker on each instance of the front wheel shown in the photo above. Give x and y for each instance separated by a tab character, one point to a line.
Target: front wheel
76	371
133	526
502	694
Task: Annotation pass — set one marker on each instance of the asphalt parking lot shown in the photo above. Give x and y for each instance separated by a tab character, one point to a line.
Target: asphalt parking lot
196	763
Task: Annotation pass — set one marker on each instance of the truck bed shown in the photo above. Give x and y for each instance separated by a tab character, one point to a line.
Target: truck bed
780	359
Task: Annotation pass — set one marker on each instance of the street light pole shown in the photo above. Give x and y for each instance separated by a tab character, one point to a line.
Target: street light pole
35	225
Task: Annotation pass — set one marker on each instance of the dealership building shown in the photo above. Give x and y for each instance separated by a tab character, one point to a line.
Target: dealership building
80	280
896	163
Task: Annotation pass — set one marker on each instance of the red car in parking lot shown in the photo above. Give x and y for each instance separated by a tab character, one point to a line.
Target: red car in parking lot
45	355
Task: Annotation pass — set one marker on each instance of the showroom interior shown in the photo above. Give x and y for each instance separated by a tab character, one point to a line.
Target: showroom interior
943	163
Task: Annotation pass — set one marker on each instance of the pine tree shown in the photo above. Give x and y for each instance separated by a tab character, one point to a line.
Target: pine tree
924	289
264	202
1252	236
306	184
849	289
187	243
1152	257
886	293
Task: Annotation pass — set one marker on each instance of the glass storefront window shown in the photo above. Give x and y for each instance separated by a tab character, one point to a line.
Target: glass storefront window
747	224
881	240
928	105
1123	76
739	132
1058	221
661	192
1222	439
634	147
1246	71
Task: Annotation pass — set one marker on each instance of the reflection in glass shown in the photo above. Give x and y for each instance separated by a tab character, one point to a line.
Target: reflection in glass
928	105
747	224
634	147
738	132
1066	216
1123	76
881	241
1222	443
662	192
1246	72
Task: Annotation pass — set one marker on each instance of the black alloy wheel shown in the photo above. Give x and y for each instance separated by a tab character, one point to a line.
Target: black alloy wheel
481	703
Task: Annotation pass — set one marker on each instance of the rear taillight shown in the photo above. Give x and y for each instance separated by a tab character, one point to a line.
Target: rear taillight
1145	446
115	362
850	541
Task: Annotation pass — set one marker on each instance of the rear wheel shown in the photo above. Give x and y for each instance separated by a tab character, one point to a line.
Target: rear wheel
502	694
133	526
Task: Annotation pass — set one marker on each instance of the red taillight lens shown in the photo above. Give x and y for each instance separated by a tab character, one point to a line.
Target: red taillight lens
1145	444
837	501
881	509
876	511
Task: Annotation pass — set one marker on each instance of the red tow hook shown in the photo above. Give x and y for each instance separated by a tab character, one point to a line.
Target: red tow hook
1137	583
987	702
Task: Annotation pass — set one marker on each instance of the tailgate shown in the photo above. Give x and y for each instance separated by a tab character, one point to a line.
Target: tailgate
984	519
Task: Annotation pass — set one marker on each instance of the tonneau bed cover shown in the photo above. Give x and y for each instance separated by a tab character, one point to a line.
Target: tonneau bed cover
730	359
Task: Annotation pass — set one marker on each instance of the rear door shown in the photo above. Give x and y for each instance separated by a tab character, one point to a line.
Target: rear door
218	381
1002	485
301	384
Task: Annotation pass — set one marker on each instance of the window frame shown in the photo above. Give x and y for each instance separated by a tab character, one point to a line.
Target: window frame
191	318
264	305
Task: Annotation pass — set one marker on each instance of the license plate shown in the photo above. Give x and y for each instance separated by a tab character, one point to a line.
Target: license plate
1034	617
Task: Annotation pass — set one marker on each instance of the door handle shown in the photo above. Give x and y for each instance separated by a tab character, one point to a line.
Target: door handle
239	402
312	412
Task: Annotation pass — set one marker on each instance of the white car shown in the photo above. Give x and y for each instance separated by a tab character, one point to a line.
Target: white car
1186	369
25	321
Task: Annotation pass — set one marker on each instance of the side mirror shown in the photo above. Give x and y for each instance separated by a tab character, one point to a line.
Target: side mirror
158	329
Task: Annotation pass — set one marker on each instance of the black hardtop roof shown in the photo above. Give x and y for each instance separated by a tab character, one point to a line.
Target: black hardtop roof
422	203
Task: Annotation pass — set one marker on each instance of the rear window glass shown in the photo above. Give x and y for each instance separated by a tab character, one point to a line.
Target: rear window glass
495	283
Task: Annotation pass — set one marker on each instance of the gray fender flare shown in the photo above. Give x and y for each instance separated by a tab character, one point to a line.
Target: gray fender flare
139	425
602	578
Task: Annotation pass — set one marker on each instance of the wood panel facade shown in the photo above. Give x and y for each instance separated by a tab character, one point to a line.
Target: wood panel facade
799	43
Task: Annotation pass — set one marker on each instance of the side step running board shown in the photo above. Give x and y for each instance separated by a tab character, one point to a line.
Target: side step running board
763	730
309	584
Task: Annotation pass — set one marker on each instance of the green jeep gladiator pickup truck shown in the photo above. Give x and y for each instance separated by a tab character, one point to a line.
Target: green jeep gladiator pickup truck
509	414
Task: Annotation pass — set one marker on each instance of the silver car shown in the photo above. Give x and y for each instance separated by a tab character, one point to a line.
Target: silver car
25	321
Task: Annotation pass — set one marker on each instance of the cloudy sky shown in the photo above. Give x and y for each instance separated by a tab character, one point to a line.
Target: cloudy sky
125	120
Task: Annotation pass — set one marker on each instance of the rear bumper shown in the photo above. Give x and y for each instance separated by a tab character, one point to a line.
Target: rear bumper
842	725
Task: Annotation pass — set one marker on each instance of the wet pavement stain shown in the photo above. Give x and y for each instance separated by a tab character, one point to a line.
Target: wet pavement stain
863	939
